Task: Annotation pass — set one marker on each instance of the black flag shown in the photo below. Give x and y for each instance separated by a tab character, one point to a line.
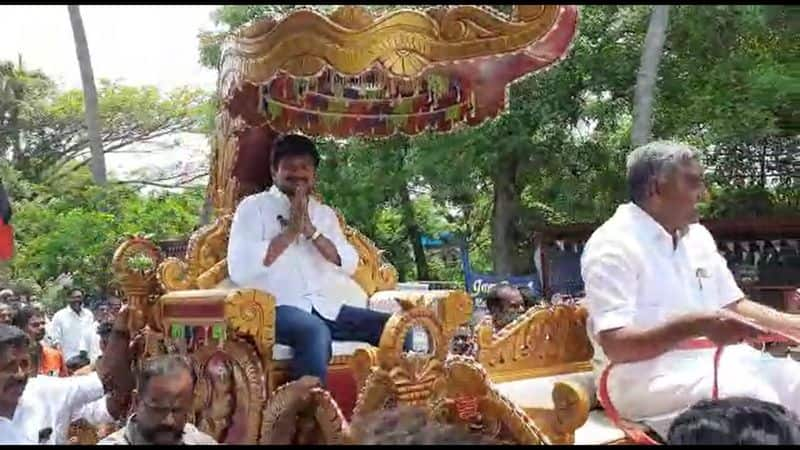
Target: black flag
6	230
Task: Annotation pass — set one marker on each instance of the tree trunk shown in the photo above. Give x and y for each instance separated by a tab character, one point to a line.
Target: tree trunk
98	162
414	234
504	213
206	210
648	73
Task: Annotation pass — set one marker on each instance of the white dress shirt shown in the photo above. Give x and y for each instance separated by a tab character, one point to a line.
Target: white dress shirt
52	402
297	277
73	332
95	413
635	276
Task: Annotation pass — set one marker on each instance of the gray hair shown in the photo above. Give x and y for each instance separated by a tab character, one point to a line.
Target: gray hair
655	160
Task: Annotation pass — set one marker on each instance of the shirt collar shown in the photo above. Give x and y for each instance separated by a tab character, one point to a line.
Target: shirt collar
651	226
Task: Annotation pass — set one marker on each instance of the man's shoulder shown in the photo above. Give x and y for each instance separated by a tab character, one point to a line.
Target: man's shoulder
191	435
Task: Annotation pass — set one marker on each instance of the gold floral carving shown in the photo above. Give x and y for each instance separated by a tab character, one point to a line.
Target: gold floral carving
251	313
205	259
437	386
541	342
134	265
236	383
406	42
570	412
496	416
283	425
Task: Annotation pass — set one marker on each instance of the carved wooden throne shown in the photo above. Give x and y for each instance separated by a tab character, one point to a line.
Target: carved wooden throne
542	362
453	389
230	333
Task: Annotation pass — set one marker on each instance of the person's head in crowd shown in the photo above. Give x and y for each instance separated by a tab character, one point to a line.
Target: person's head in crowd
15	362
463	342
505	303
30	320
77	363
6	313
104	331
114	305
735	421
407	425
75	300
530	299
164	398
6	296
101	313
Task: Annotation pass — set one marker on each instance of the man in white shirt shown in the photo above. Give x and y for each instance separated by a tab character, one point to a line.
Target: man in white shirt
39	409
73	327
655	283
288	244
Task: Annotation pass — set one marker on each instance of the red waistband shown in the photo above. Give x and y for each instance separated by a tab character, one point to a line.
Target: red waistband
696	344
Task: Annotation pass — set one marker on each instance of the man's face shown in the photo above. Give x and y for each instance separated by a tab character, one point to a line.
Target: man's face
681	192
35	329
114	304
6	314
294	171
511	306
75	300
15	362
164	407
103	313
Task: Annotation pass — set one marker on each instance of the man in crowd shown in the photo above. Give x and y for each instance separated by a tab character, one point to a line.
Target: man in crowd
45	360
285	242
165	394
661	299
73	327
505	304
39	409
6	313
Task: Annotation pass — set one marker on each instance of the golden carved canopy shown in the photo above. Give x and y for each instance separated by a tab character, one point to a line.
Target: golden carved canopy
350	73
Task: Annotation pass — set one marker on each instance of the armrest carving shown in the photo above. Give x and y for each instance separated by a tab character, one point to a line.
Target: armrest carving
571	411
541	342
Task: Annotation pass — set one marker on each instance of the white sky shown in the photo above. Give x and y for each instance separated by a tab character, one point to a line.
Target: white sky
135	44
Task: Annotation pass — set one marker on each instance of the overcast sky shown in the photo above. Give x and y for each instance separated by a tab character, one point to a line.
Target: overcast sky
142	44
138	45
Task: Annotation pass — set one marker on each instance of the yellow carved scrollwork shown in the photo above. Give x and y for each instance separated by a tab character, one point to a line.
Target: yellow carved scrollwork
205	265
134	265
541	342
230	378
252	313
406	42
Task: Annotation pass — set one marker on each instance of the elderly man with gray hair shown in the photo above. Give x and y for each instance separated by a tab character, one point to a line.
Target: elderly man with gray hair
661	300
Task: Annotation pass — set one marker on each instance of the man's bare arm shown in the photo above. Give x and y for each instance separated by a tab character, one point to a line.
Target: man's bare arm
765	316
327	249
630	344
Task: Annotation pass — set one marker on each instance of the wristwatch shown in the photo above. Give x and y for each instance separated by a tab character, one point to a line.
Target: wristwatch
316	235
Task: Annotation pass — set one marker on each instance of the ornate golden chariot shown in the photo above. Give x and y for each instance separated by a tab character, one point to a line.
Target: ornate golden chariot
345	74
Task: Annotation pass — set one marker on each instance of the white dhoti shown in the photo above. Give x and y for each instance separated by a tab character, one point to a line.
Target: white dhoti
655	392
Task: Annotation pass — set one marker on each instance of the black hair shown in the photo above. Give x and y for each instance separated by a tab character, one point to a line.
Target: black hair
163	365
493	299
11	336
735	421
293	145
77	362
24	315
104	329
